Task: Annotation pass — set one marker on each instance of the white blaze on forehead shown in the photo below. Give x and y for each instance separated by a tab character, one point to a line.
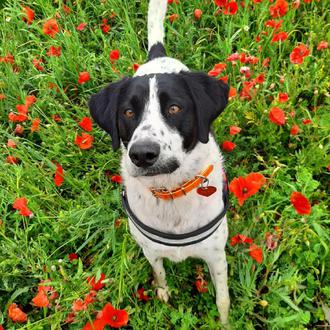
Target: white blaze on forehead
161	65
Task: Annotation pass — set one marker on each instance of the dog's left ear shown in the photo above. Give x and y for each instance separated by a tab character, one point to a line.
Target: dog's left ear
210	97
103	107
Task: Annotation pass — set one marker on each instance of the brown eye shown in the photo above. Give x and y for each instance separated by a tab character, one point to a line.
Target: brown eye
129	113
174	109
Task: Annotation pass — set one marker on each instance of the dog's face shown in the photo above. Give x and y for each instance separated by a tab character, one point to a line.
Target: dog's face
159	118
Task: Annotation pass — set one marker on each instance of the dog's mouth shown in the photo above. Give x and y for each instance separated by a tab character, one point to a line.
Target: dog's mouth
157	169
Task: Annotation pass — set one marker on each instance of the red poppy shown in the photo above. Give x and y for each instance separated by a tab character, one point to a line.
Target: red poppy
234	130
217	69
283	97
173	17
30	99
243	188
230	8
274	24
90	297
73	256
265	62
233	57
239	238
135	66
141	294
228	146
280	8
220	3
307	121
116	318
16	314
294	130
277	116
298	54
41	299
50	27
54	51
84	141
9	58
98	285
37	63
232	92
322	45
86	124
19	130
105	27
280	36
201	286
12	160
198	14
66	9
20	204
70	318
256	253
58	176
1	327
35	124
81	26
83	77
114	55
11	143
300	203
28	15
78	305
117	179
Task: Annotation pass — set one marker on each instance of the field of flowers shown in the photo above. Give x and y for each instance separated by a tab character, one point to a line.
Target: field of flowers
67	260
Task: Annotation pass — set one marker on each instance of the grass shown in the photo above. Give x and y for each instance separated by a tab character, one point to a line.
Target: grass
290	289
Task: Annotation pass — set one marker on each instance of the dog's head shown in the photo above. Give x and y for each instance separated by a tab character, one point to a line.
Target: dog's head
159	118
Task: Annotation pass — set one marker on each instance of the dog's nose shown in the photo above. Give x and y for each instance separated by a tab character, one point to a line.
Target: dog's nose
144	154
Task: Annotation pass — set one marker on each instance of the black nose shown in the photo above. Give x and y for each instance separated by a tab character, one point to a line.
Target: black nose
144	154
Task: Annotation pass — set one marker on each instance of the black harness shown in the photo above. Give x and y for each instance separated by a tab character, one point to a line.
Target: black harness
169	239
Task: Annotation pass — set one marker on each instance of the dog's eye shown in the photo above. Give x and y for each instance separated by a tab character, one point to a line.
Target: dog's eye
129	113
174	109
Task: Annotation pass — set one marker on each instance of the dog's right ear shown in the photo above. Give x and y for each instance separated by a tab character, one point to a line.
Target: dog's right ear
103	107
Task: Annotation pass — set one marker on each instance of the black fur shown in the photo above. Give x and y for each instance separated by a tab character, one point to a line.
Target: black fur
156	50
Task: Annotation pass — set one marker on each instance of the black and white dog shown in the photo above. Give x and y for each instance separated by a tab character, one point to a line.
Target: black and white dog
161	117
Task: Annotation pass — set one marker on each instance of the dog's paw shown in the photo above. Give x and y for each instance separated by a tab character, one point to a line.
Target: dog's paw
163	294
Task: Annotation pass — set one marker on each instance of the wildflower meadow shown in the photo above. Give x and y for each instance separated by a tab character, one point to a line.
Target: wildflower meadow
67	260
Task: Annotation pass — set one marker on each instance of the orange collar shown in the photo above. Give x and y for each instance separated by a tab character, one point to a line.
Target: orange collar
182	190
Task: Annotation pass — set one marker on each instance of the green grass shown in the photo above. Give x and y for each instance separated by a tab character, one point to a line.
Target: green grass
290	289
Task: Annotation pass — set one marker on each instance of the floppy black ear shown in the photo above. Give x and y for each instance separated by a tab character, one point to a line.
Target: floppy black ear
210	97
103	107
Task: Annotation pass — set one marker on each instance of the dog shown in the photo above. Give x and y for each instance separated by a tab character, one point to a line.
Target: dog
174	184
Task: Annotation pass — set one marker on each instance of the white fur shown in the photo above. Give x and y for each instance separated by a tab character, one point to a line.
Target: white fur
156	17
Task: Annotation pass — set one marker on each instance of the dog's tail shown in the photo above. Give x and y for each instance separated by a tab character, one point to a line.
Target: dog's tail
156	17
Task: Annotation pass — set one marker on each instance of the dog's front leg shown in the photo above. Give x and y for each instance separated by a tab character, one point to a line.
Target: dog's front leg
218	269
159	276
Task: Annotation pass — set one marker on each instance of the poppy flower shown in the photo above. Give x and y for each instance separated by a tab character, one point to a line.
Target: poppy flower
280	36
98	324
29	100
234	130
300	203
135	66
116	318
244	187
294	130
201	286
20	204
90	297
280	8
240	238
233	57
83	77
173	17
81	26
114	55
70	318
117	179
41	299
265	62
11	143
1	327
230	8
283	97
256	253
228	146
84	141
232	92
73	256
86	124
298	54
50	27
19	130
54	51
217	69
28	15
78	305
35	125
142	295
198	14
58	176
66	9
98	285
105	27
277	116
220	3
16	314
12	160
307	121
37	63
9	58
274	24
322	45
